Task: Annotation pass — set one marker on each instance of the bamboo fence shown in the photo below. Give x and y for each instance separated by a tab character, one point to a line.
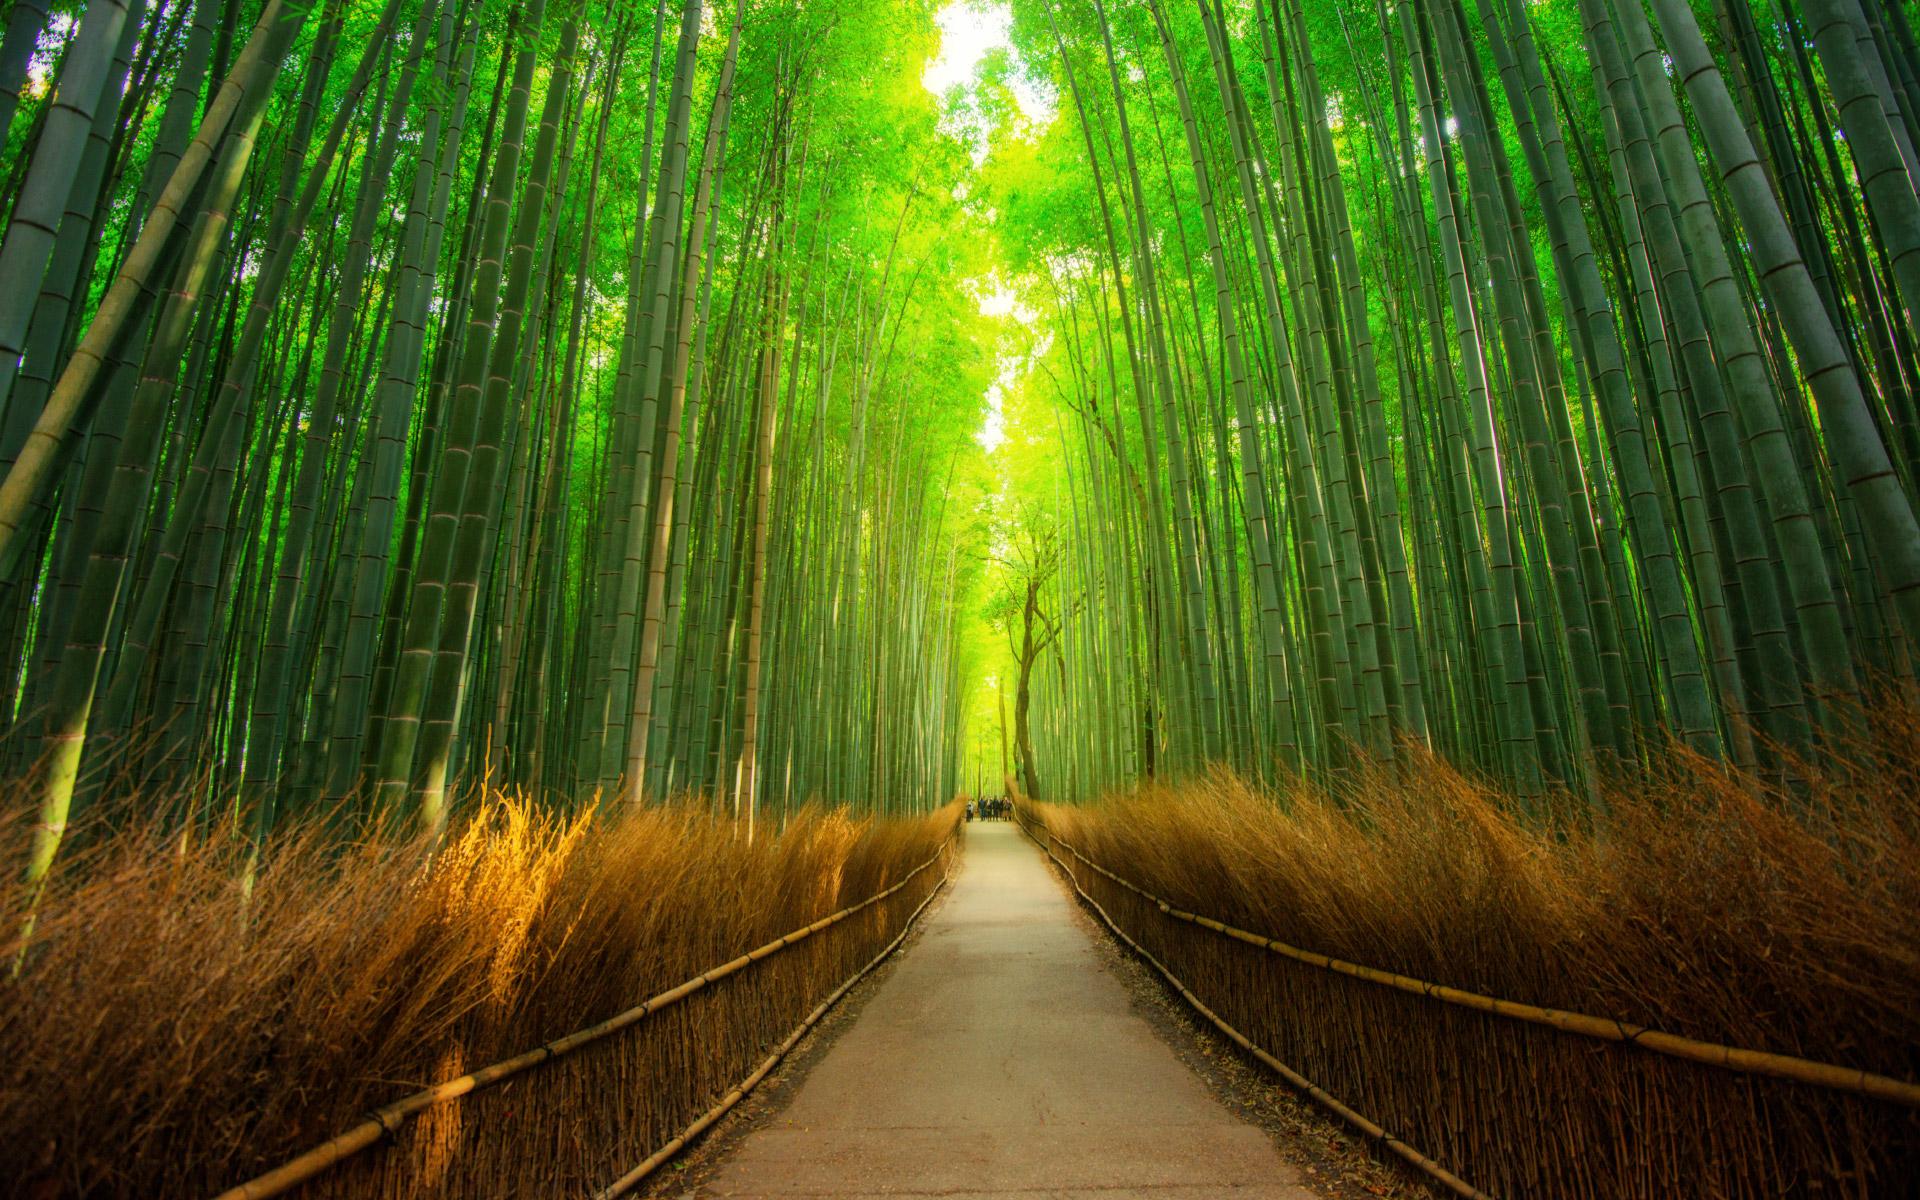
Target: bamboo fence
567	1130
1523	1099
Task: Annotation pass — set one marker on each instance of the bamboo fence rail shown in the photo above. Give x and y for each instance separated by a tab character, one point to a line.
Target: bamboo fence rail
1732	1058
632	1179
1524	1100
1427	1166
384	1122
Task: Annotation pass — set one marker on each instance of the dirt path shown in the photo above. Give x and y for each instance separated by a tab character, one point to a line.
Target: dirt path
1001	1058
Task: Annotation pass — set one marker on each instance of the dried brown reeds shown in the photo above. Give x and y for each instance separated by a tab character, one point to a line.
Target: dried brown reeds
173	1032
1768	915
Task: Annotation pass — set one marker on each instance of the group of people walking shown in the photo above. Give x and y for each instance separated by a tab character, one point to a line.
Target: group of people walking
990	808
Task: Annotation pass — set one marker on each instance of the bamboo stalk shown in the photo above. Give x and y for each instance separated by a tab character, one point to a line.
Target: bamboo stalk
387	1119
1732	1058
39	457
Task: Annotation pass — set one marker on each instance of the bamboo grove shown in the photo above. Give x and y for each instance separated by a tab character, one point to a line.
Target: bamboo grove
405	394
1533	381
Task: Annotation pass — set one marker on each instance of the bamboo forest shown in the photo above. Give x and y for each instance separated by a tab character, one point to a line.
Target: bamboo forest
1339	578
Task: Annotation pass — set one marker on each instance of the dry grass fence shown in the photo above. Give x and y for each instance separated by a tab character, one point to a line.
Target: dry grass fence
1777	917
170	1035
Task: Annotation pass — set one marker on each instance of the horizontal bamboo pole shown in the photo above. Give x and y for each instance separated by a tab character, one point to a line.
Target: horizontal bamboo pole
388	1118
652	1162
1732	1058
1373	1130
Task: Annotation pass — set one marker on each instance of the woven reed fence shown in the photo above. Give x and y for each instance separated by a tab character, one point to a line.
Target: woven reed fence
1543	1104
593	1112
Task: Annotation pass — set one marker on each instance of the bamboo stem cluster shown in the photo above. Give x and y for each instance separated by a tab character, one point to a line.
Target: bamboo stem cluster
415	393
1425	389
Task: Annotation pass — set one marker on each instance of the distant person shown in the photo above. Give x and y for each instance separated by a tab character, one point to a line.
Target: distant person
969	810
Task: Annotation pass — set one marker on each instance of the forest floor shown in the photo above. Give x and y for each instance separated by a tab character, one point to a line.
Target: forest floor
1013	1049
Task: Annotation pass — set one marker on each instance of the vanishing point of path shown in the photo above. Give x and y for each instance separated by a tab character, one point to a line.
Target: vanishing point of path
1001	1058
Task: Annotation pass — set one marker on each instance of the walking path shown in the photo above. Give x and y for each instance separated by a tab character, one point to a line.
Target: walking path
1000	1058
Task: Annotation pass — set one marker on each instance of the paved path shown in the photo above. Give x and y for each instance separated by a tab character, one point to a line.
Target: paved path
1000	1058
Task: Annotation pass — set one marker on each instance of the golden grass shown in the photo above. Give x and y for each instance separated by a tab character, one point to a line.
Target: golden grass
1776	916
170	1034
